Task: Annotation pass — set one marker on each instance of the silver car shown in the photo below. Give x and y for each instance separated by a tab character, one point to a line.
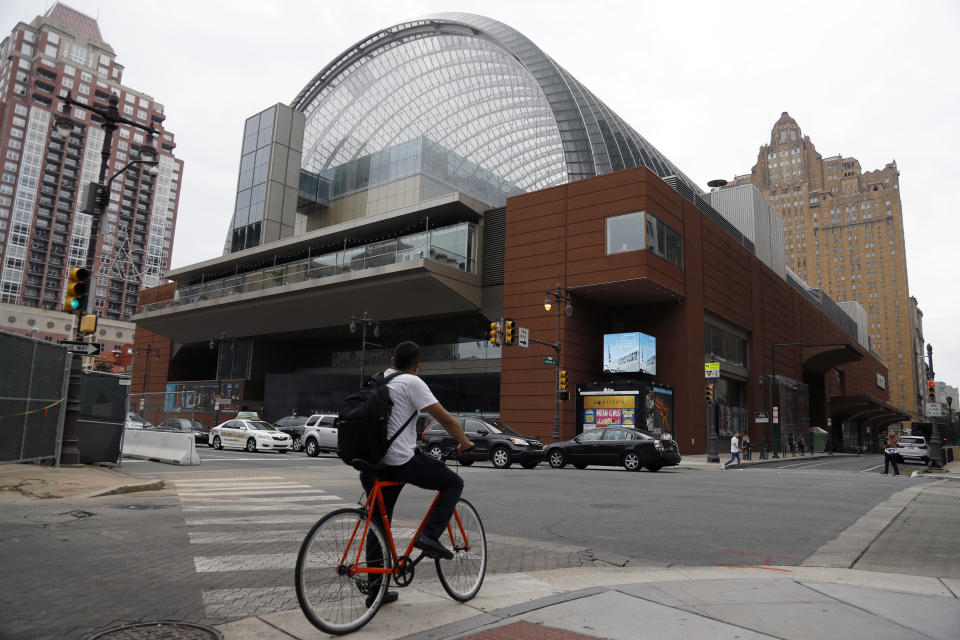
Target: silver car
320	434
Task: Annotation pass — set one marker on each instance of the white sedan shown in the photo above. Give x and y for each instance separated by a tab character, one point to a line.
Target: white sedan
252	435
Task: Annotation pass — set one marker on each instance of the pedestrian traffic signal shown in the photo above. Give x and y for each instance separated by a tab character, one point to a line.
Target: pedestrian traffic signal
76	295
564	395
509	332
709	393
494	333
931	391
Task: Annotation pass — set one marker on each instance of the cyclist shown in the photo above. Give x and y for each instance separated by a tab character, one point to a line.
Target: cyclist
405	463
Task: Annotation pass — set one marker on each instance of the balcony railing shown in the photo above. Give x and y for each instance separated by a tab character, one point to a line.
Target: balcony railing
324	266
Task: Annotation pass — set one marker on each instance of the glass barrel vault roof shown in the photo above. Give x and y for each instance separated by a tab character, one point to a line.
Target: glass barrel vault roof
477	87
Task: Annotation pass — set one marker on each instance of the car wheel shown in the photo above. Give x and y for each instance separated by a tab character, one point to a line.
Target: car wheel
631	461
580	466
529	465
297	444
251	445
500	457
216	443
311	448
556	459
435	451
654	467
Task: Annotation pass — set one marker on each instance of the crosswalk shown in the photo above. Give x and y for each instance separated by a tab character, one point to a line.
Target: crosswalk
248	534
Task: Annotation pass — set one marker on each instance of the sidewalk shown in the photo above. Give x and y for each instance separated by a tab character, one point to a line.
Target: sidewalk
26	482
683	603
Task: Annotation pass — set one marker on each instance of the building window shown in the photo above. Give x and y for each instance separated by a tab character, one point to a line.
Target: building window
625	233
640	230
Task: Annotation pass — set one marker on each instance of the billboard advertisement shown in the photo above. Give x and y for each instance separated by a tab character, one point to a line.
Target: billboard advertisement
632	352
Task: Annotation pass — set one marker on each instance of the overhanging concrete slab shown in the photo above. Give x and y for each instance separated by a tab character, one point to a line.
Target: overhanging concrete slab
392	292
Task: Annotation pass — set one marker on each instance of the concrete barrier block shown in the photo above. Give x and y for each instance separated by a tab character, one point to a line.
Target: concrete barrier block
170	448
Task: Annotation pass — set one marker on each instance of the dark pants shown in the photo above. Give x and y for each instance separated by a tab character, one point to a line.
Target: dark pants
424	472
890	459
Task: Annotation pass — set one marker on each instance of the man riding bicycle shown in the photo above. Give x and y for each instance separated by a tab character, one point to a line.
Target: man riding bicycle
405	463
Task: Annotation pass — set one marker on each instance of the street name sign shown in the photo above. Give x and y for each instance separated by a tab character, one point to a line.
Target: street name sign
550	360
83	348
711	369
523	337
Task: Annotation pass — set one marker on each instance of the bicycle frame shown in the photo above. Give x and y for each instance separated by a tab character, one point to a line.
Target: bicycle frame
376	499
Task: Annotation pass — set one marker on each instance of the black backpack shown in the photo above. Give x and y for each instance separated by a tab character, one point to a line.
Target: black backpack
362	425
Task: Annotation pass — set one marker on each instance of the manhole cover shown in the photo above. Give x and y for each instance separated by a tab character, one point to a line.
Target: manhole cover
159	631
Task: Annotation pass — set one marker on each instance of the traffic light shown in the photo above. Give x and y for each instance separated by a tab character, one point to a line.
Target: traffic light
931	391
709	393
564	394
494	333
76	296
509	332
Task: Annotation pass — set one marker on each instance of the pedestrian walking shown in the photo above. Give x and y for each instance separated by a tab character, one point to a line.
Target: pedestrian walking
734	452
801	445
890	457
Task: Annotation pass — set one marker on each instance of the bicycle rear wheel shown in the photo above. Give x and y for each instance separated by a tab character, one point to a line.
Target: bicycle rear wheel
462	576
333	600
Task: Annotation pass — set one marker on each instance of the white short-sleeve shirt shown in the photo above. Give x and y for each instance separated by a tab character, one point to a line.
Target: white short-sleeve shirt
734	445
410	395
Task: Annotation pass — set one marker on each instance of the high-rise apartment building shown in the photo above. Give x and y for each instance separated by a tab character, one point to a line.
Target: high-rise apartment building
43	231
843	233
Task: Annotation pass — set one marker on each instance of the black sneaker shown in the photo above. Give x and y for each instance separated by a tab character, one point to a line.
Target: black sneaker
388	597
432	547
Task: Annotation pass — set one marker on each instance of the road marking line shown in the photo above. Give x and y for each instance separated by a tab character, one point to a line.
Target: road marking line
871	468
247	562
249	507
271	499
235	537
249	492
258	520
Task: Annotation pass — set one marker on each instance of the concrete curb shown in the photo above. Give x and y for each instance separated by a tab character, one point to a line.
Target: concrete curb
154	485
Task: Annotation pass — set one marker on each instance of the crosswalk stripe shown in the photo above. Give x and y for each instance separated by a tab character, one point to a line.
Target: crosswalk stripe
270	486
262	520
228	480
271	499
282	491
251	506
243	537
246	562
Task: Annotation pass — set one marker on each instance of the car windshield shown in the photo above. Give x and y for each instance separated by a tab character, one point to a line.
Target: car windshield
262	426
499	426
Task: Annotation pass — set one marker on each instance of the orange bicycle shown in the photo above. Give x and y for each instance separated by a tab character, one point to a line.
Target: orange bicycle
343	571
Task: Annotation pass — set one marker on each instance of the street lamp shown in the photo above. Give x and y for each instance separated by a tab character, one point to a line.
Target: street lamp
936	445
548	301
366	320
146	363
63	127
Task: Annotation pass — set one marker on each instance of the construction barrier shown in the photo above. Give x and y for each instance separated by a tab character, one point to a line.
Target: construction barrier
160	446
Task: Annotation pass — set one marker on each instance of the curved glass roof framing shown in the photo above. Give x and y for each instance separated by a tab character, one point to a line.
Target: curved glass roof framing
477	88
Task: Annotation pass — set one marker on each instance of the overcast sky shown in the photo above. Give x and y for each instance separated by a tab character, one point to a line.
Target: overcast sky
703	81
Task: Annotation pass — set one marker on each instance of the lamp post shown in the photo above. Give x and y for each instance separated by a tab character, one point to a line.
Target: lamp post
558	295
936	445
365	320
110	119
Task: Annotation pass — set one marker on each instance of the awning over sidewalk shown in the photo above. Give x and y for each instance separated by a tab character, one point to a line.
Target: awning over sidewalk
820	358
865	410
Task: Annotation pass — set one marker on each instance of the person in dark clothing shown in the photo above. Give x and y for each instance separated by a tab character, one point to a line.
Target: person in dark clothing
802	446
890	457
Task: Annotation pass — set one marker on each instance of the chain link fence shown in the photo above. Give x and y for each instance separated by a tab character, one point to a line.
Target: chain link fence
33	390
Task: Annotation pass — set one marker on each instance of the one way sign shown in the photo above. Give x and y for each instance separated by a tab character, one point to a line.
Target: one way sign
83	348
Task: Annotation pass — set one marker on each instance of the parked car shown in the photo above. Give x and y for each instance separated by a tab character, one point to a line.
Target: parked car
614	446
493	440
294	427
913	448
201	433
252	435
320	434
134	421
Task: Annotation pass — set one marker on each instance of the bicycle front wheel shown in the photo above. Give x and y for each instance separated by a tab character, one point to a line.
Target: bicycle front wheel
335	601
462	576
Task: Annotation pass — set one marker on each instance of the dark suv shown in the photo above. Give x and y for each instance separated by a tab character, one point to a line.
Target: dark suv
293	426
493	440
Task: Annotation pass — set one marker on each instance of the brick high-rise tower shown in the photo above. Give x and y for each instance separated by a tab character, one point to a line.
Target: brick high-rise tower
843	233
42	229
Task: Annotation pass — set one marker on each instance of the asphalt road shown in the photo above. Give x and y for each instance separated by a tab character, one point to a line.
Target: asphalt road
220	542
